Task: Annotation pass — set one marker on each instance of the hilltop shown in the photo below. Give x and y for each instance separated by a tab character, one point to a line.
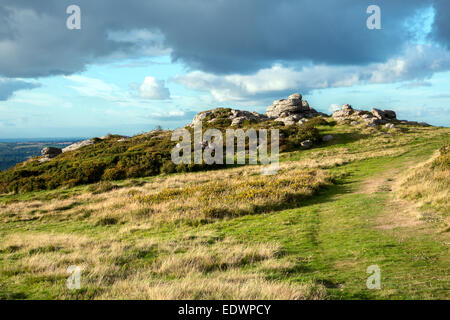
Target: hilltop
368	189
115	157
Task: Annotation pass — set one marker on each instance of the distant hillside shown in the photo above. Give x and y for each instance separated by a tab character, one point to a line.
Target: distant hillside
13	152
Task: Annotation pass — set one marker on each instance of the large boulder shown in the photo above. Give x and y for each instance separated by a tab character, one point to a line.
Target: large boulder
50	152
291	109
390	114
384	114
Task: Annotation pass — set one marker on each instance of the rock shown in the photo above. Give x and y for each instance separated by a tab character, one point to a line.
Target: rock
307	144
389	126
276	110
384	115
237	121
236	116
293	105
302	121
346	108
371	122
327	138
288	121
376	117
343	114
124	139
354	123
390	114
239	116
297	96
198	118
78	145
51	152
424	124
305	105
378	113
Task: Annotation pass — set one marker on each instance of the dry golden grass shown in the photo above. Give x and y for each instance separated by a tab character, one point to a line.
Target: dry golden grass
191	268
220	256
191	197
233	284
428	185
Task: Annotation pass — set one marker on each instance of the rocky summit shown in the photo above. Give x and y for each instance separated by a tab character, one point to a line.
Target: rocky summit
370	118
292	110
296	111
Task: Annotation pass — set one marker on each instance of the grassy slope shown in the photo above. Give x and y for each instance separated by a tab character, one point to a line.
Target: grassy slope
320	249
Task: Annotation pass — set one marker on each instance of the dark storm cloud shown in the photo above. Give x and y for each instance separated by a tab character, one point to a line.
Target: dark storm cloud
9	86
441	26
214	36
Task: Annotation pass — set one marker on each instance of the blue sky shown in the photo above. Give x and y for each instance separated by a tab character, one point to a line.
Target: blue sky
126	76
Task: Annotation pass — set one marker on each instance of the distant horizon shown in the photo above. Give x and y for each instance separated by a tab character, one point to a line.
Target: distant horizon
43	139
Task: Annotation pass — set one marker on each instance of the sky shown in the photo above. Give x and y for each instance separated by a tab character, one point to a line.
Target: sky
135	65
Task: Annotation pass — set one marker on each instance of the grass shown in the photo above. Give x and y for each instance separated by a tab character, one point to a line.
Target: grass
309	232
428	185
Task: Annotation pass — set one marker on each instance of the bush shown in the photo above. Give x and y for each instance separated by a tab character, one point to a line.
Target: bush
168	167
114	174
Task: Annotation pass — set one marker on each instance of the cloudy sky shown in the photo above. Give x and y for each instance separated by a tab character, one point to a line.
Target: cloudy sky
137	64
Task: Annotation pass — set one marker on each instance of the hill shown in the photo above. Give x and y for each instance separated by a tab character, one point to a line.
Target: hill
308	232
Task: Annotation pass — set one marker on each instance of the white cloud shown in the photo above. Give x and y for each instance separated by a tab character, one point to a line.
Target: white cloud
417	63
91	87
41	99
153	89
